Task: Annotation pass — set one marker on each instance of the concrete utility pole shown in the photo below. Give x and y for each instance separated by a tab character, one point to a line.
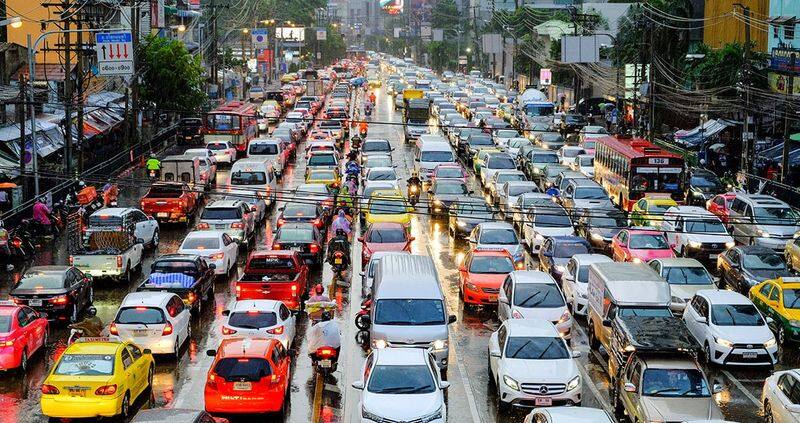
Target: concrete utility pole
787	122
67	93
134	133
214	70
747	137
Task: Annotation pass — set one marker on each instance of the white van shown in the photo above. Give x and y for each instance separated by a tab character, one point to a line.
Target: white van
410	313
271	150
431	155
429	138
254	175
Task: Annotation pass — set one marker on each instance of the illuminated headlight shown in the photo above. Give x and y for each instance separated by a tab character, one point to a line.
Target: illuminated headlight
794	323
471	287
695	244
379	344
677	300
366	414
461	223
730	244
536	170
439	344
764	234
436	415
561	269
724	342
596	237
574	383
565	316
510	382
636	260
771	343
545	146
437	202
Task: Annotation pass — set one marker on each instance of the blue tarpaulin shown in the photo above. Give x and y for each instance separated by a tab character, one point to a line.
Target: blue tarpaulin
694	137
170	280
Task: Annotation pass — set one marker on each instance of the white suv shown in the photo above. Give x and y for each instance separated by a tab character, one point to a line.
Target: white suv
575	280
532	366
695	232
158	321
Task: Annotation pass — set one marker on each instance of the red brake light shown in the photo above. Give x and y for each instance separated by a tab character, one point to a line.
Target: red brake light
167	329
276	246
106	390
314	248
50	390
212	381
227	331
202	225
326	352
276	331
112	329
61	299
71	259
119	261
281	221
16	242
191	297
237	225
218	256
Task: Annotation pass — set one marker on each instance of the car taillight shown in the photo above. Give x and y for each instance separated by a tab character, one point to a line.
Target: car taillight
50	390
314	248
217	256
227	331
61	299
106	390
9	343
119	261
276	246
167	329
294	290
212	381
191	297
112	329
203	225
237	225
238	290
18	301
281	222
276	331
317	222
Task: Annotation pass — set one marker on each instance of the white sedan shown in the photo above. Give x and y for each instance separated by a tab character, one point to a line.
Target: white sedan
158	321
224	151
779	397
259	319
382	174
216	247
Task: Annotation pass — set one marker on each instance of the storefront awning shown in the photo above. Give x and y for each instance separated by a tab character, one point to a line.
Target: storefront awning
694	137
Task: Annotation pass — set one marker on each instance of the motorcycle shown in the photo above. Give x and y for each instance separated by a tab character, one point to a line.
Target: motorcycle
355	143
339	266
324	358
363	321
413	194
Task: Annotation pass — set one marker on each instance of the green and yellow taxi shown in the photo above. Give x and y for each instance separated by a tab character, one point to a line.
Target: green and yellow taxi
480	157
388	207
325	176
97	377
779	300
649	211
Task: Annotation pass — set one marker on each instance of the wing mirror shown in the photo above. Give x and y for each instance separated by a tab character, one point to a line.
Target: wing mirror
226	312
629	387
211	353
358	385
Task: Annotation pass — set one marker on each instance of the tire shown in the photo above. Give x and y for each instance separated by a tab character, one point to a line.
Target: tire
707	354
176	354
125	408
126	277
502	407
150	378
155	241
91	297
768	413
782	335
594	343
616	404
23	362
362	322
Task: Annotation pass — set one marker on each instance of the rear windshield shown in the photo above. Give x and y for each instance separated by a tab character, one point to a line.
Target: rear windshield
300	210
689	275
437	156
104	221
544	158
41	280
164	191
450	172
552	220
253	319
200	243
499	237
248	178
521	189
491	265
263	149
294	235
271	263
140	315
243	369
569	249
220	213
85	365
322	160
387	235
376	146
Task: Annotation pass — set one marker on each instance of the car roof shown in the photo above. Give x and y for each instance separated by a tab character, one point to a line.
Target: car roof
400	356
762	200
245	305
223	204
586	259
491	252
576	414
723	296
494	225
147	298
297	225
245	347
530	327
787	282
531	276
568	238
695	211
671	362
113	211
679	262
94	346
205	234
755	249
385	225
583	181
48	269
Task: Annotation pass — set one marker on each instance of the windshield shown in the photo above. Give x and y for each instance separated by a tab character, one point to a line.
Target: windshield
509	177
200	243
449	172
674	383
536	348
507	133
502	162
242	369
373	146
294	235
41	280
474	209
544	158
498	237
386	206
763	261
140	315
689	275
552	220
542	295
791	298
220	213
644	312
300	210
85	365
437	156
774	215
648	242
378	162
538	110
705	181
263	149
569	249
387	235
220	122
705	226
409	312
322	160
403	379
252	319
586	161
381	175
248	178
105	221
656	179
735	315
216	146
518	142
459	188
491	265
521	189
589	144
571	152
321	175
592	193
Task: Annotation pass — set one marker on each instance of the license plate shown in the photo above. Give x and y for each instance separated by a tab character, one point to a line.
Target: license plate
77	392
162	215
220	226
713	256
337	261
296	249
34	303
325	363
749	354
242	386
140	332
543	402
492	298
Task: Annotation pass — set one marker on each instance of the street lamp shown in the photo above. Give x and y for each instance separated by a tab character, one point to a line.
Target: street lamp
14	22
181	28
468	50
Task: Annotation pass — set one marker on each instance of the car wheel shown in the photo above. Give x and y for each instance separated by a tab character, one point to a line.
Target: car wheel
177	352
155	240
594	343
91	296
781	335
502	406
126	277
707	354
23	362
616	404
768	413
150	378
125	409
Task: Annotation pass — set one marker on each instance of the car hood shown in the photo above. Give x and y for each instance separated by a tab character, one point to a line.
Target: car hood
680	409
487	280
606	233
709	238
402	407
752	335
647	255
513	249
409	333
551	314
548	231
540	371
447	198
593	204
779	230
763	275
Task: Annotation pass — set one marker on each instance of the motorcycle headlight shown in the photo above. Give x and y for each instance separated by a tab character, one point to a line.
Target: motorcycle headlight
510	382
379	344
439	344
574	383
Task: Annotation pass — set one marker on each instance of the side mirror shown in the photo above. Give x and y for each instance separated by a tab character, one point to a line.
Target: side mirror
462	268
358	385
139	241
773	304
226	312
412	238
607	323
444	384
629	387
212	266
147	351
793	408
576	354
494	352
770	320
451	319
717	388
211	353
702	320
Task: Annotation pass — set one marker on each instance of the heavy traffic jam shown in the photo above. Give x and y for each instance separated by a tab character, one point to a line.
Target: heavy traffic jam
376	242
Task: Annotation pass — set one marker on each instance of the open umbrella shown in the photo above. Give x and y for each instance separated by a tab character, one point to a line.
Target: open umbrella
716	147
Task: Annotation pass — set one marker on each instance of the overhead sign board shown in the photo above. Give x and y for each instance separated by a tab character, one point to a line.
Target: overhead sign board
291	33
581	49
322	34
545	76
781	60
114	53
260	38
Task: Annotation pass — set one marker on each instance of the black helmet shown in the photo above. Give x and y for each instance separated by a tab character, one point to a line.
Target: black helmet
91	311
326	315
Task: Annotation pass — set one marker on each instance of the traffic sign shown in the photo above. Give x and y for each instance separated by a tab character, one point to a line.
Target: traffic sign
260	38
114	53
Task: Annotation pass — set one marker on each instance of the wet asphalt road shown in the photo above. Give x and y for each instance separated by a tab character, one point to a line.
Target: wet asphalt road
180	384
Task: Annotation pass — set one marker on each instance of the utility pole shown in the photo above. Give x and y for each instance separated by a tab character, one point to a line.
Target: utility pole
20	108
133	136
79	85
65	7
786	121
214	71
652	87
747	138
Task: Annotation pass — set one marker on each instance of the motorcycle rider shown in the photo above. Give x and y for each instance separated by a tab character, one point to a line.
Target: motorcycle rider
153	164
325	333
414	181
362	128
91	325
340	243
41	215
372	97
319	295
341	224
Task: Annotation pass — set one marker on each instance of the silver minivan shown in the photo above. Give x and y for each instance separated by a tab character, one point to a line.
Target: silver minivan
762	220
410	312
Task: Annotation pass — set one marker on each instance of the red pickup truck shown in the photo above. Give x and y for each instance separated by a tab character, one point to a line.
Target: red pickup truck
274	275
170	202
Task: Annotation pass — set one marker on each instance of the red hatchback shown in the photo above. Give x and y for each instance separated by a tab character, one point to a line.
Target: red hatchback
482	273
23	332
384	236
248	376
720	205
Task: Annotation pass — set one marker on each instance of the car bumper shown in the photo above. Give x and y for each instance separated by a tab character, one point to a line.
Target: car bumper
62	406
103	273
9	358
528	400
777	244
220	266
161	345
243	404
170	217
744	356
480	297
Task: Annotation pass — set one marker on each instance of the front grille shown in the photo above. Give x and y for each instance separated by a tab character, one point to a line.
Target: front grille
543	389
713	246
409	344
491	290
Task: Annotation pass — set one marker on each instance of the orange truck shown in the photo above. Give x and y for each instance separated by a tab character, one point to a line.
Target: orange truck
171	203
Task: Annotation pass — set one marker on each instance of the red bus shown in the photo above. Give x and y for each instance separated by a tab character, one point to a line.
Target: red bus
629	169
234	122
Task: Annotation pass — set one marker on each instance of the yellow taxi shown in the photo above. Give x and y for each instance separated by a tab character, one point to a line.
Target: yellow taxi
271	103
97	377
792	254
388	207
480	157
374	83
288	77
649	211
323	176
779	300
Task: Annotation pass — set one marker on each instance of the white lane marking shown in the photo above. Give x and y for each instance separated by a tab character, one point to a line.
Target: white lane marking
462	370
741	387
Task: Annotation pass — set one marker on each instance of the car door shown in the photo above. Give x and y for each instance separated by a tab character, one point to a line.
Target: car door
630	400
77	284
619	246
568	280
143	227
546	254
182	317
24	320
698	310
131	376
504	298
230	249
497	343
786	393
670	225
249	218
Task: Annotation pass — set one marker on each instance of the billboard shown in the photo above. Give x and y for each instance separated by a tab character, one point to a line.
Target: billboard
581	49
392	7
291	33
781	60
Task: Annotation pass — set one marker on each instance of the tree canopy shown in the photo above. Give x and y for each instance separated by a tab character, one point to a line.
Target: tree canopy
172	79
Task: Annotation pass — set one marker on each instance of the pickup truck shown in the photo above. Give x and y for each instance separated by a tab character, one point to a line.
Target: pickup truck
186	275
110	254
170	202
274	275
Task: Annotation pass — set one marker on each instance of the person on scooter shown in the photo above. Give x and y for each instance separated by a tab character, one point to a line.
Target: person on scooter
372	97
339	243
41	215
153	165
341	223
319	295
363	127
414	182
325	333
91	325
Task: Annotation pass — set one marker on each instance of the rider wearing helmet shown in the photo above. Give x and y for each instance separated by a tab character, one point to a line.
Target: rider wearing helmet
340	243
91	325
319	294
414	179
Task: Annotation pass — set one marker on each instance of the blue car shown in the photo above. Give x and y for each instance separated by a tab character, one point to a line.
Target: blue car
556	252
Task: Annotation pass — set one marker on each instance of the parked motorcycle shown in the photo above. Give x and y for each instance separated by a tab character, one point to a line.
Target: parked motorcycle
363	321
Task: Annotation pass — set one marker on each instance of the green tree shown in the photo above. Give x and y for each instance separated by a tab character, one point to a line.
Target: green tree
723	68
333	47
171	77
228	60
634	33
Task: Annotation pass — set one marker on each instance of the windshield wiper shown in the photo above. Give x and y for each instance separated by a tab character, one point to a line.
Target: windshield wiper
661	391
733	319
521	347
530	297
401	389
542	300
545	350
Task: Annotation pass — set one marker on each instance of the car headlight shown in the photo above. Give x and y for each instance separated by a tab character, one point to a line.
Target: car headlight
764	234
431	417
636	260
574	383
695	244
471	287
724	342
771	343
794	323
518	256
366	414
796	235
536	170
379	344
677	300
439	344
561	269
730	244
510	382
437	202
545	146
461	223
565	316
